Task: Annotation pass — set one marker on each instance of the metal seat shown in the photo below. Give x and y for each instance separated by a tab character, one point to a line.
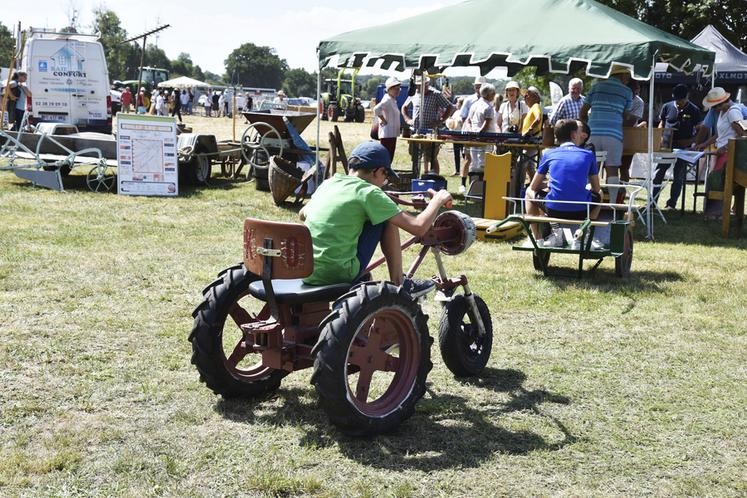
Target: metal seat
294	291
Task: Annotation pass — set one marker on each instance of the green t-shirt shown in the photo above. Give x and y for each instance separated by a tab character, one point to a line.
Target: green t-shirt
335	216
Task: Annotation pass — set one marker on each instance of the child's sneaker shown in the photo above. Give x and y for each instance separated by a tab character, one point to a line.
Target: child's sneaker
417	287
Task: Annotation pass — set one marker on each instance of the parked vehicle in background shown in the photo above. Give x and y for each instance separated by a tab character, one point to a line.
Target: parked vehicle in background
152	76
116	97
68	78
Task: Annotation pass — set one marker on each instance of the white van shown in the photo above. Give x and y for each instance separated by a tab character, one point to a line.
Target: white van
68	79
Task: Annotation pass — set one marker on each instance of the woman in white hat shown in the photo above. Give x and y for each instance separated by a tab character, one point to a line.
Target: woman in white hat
387	112
513	110
727	127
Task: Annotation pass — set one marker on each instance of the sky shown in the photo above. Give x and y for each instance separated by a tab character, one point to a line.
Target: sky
210	30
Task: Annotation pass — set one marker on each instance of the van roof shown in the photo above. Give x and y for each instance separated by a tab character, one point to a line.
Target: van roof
50	34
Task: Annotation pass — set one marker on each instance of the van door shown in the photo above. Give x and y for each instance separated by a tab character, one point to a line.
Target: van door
52	93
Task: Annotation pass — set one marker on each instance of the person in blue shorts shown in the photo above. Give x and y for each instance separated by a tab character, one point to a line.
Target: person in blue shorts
570	168
350	215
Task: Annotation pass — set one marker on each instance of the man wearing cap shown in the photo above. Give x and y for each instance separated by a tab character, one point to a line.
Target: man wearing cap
388	115
681	116
605	109
569	107
434	110
349	216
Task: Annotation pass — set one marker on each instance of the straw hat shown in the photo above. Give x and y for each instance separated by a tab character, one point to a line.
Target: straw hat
715	96
480	80
392	82
281	93
617	69
419	79
512	84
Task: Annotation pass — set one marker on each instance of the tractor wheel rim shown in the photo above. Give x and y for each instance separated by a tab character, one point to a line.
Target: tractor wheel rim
384	381
234	354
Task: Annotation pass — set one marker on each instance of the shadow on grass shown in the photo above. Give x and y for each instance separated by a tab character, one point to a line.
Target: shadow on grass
605	280
691	229
447	431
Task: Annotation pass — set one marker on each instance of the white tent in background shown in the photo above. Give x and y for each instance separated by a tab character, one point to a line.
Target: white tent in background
182	82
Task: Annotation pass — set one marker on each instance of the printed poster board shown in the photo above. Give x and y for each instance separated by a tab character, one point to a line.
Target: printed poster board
146	155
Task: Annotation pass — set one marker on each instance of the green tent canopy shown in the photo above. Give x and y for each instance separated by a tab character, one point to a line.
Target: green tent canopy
558	36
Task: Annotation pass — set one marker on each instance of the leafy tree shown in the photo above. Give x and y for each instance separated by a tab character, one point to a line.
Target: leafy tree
686	18
182	65
7	44
299	83
212	78
371	85
118	53
252	65
198	74
462	86
156	57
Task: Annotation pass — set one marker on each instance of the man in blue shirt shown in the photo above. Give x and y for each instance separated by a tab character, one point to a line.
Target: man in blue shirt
681	116
606	109
570	169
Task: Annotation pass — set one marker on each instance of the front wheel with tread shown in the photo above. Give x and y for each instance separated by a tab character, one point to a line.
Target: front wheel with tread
372	359
463	350
226	366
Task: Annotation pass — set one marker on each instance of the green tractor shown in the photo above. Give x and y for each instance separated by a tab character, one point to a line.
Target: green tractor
338	104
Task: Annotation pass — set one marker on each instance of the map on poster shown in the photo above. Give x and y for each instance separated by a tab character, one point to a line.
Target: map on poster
146	155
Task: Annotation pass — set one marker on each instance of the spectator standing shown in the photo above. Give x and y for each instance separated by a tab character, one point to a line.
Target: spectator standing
215	103
19	92
606	109
126	99
481	119
184	100
190	103
161	104
429	114
569	107
464	114
388	115
727	127
511	113
531	127
680	116
222	104
177	109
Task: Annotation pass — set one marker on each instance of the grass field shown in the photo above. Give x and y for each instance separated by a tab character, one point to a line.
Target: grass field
595	387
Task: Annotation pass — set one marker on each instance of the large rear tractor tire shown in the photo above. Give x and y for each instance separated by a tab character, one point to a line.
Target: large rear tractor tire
463	350
228	368
372	359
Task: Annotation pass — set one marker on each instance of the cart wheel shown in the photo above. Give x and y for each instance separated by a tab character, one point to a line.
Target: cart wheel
333	112
463	350
360	114
225	365
100	178
540	260
624	262
372	359
255	142
197	170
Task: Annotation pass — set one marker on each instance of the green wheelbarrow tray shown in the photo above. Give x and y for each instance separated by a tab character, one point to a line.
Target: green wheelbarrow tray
615	235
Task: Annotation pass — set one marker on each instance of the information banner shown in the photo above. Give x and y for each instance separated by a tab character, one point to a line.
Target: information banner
146	155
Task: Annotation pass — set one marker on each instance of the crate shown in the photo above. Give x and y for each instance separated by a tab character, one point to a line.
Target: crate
636	140
420	185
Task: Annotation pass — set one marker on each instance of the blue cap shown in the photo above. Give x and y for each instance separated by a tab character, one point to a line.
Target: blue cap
372	155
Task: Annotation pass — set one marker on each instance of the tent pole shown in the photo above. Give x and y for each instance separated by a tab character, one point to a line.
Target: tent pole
319	173
649	179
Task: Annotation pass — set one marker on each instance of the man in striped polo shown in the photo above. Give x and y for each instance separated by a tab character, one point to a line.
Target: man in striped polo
606	109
